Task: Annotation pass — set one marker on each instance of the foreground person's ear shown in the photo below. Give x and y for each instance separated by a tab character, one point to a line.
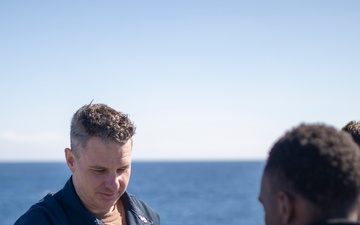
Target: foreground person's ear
286	207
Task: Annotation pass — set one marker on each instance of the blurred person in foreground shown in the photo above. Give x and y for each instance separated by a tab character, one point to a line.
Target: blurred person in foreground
312	177
353	128
100	163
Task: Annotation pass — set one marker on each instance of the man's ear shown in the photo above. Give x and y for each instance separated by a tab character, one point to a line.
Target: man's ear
70	159
286	207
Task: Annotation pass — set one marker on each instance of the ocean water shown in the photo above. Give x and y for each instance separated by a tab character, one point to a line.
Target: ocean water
183	193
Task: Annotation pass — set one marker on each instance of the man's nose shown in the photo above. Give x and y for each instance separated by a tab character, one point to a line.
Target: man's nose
113	182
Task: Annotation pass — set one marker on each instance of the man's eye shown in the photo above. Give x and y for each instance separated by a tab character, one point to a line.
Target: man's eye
120	170
99	171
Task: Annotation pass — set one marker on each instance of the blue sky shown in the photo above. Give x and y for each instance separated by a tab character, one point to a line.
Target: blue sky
202	80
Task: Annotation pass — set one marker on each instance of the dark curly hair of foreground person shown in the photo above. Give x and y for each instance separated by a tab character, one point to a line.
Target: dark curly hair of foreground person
318	162
353	128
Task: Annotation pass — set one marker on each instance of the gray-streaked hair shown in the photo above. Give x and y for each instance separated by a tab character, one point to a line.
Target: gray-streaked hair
99	120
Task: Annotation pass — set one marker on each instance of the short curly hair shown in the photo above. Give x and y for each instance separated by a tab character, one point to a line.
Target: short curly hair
353	128
319	163
99	120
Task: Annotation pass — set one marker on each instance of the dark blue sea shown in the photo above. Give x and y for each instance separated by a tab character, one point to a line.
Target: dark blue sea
183	193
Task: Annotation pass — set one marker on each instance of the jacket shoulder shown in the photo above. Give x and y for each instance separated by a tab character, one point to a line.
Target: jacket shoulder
45	212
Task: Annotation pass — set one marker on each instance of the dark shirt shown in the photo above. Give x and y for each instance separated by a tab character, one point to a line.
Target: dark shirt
336	222
66	208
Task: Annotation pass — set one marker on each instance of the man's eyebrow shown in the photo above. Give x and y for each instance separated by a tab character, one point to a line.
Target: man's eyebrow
97	167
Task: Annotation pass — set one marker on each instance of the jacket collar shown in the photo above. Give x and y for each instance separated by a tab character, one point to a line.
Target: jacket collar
78	214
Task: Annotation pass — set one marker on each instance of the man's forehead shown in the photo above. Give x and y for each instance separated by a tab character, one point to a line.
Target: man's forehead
266	181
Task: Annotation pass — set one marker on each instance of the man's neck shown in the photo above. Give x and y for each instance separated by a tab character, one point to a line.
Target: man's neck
114	217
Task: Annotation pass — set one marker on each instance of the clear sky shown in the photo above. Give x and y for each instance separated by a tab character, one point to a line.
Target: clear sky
202	80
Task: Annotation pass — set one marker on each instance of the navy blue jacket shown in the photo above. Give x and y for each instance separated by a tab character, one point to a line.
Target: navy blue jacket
66	208
337	222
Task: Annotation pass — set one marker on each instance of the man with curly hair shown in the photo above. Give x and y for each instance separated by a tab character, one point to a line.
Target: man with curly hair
100	163
353	128
312	177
